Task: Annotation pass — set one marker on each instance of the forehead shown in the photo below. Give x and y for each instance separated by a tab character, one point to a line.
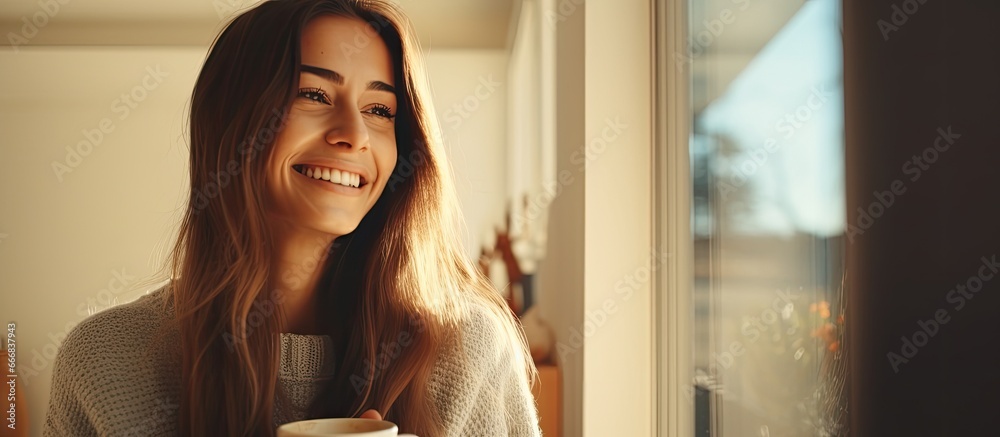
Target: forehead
347	45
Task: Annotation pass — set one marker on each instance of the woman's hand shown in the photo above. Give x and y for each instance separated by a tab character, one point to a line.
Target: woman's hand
371	414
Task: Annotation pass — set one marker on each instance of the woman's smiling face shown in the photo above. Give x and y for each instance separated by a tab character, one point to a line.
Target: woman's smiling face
337	148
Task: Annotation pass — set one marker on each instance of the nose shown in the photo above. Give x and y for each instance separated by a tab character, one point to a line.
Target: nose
348	129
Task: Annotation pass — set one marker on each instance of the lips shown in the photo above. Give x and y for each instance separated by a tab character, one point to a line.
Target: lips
333	175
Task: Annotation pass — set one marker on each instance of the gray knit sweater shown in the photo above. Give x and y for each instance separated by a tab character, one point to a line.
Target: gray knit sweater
106	381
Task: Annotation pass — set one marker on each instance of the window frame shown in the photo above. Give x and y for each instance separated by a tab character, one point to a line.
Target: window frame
672	302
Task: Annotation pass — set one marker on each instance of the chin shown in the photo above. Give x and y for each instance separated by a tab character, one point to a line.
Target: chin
339	232
336	229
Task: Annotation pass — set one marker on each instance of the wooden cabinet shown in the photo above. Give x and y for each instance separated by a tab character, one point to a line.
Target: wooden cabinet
548	396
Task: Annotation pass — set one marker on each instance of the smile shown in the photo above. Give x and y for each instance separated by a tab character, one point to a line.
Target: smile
331	175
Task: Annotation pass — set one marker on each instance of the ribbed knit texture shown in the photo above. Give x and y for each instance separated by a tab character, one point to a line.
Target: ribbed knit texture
306	363
115	376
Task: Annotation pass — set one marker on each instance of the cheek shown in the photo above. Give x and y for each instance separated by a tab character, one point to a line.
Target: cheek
387	157
274	163
385	161
390	161
285	140
291	135
277	171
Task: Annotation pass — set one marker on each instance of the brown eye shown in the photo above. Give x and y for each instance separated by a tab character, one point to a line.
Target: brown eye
315	94
381	111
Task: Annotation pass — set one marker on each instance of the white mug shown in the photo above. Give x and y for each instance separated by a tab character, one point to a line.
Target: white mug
343	427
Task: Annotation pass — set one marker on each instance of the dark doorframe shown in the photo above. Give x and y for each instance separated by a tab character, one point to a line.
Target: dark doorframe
915	70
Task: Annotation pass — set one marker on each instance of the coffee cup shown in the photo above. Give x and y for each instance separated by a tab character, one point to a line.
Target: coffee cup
342	427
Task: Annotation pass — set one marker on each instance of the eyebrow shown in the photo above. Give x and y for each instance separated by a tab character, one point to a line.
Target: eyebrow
333	76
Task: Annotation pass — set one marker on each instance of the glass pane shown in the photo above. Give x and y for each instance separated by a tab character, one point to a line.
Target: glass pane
768	216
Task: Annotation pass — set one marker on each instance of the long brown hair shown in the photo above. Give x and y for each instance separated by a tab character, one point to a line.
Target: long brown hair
402	273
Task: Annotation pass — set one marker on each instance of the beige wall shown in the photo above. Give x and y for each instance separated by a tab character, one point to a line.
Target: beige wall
595	282
68	241
561	273
470	98
618	365
74	238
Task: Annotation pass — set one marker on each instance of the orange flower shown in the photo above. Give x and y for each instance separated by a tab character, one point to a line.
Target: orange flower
822	307
825	332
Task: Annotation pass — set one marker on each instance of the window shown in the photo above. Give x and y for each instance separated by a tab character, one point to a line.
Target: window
766	175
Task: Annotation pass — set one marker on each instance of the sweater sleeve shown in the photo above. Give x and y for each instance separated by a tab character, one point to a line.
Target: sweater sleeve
67	412
110	378
480	385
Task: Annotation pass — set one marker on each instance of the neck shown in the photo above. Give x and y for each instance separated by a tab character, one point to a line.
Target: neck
297	265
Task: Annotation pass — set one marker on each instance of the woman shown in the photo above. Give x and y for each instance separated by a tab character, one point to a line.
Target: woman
317	272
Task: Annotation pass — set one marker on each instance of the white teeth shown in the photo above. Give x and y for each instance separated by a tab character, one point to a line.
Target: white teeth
335	176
